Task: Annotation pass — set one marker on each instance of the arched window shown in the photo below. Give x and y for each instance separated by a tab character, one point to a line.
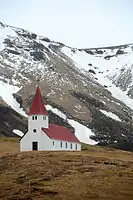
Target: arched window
76	146
53	143
71	145
66	145
32	117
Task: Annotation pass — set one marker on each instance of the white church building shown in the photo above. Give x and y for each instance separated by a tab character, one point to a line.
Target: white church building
43	136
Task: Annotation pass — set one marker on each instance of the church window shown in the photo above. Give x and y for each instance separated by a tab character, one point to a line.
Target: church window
66	145
53	143
35	117
71	146
34	130
44	117
32	117
61	144
76	146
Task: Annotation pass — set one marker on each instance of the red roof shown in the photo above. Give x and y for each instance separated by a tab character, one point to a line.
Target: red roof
38	107
60	133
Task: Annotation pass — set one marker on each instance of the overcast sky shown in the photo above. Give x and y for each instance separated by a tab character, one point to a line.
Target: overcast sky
78	23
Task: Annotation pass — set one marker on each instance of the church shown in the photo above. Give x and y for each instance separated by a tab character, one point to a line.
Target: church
42	136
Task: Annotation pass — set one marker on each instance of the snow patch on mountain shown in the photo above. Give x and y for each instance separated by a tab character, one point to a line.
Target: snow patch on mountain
18	132
5	32
116	92
56	111
111	115
6	91
82	132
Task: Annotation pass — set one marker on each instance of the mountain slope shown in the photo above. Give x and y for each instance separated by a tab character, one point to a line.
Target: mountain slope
108	65
80	83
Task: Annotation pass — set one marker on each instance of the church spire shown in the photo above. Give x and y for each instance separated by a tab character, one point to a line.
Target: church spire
38	107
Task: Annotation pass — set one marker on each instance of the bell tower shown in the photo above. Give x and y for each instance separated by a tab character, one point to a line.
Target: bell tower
38	115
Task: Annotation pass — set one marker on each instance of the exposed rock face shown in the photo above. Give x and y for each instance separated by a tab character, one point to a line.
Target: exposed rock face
73	89
18	99
10	120
92	71
119	52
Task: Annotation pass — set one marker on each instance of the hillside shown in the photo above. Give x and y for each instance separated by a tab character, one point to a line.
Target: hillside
95	173
87	90
11	120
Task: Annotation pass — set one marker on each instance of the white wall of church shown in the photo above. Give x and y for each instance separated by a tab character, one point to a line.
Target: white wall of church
37	121
65	146
44	142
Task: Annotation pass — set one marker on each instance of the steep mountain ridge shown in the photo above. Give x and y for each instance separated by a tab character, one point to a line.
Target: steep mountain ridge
78	82
114	62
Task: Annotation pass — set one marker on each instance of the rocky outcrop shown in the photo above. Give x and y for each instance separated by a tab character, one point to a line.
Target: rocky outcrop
10	120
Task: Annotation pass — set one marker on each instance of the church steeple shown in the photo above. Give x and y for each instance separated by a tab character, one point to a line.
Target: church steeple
38	115
38	107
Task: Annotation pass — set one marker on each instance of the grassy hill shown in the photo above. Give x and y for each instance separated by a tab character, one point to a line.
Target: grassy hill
96	173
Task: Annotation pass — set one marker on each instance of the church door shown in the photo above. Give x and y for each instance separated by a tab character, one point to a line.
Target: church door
34	146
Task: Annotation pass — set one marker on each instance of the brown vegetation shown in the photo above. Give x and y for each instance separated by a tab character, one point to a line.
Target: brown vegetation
9	145
95	174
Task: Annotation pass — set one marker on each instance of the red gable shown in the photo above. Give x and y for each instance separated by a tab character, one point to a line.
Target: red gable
60	133
38	107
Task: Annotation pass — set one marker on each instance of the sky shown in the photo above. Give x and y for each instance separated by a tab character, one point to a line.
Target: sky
77	23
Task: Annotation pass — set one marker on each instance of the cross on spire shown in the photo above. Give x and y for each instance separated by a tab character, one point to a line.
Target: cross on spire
38	81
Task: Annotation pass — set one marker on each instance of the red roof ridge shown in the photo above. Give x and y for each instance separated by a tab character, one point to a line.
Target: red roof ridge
38	107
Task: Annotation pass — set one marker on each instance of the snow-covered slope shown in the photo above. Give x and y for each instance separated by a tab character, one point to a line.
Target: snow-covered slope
89	89
112	67
6	93
18	132
82	132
